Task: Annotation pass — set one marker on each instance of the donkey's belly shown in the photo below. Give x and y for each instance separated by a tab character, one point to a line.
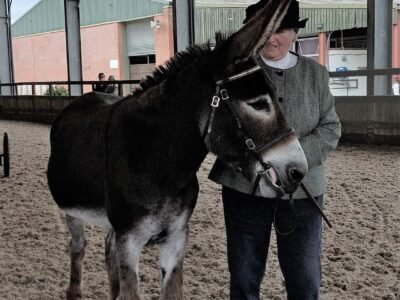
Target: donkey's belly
96	217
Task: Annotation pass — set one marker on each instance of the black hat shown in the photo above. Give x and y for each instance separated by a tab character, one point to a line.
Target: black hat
291	19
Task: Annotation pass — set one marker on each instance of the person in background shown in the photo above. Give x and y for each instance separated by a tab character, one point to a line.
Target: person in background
111	85
396	86
304	97
102	85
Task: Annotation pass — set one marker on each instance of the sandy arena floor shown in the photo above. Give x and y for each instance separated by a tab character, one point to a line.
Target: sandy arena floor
361	253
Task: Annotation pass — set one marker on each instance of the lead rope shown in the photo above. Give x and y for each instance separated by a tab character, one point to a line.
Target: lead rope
291	204
315	203
294	225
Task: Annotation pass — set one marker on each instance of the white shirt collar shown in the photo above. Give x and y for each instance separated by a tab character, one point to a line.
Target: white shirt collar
287	62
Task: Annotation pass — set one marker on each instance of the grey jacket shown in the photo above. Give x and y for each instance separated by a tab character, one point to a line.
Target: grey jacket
308	105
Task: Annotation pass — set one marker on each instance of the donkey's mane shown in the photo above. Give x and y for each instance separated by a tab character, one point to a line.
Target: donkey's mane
177	63
172	67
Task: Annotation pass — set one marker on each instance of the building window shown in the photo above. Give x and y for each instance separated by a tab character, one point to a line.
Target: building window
308	47
142	59
349	39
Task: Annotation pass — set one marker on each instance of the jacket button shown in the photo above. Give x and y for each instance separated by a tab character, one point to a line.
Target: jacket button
280	73
280	99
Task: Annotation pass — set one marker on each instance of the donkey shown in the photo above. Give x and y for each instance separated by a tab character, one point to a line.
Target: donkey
130	164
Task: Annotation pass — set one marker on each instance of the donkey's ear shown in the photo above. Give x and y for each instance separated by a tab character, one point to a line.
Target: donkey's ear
250	39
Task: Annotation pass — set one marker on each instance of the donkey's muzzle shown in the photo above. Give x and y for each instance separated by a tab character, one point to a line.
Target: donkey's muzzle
288	166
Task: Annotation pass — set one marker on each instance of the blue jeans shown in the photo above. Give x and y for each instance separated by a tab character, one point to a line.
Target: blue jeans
249	220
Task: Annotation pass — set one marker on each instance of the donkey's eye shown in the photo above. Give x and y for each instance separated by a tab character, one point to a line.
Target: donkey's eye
261	104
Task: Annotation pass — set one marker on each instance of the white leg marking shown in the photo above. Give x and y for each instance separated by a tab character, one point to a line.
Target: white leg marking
94	217
171	252
77	229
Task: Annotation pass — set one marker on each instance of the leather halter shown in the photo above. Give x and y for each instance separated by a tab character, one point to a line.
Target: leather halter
262	166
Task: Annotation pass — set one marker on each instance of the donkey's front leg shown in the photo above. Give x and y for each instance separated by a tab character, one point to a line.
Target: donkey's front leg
128	249
78	245
171	260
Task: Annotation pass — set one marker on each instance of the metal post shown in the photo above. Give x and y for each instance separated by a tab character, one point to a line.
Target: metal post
6	75
370	46
383	45
73	36
183	11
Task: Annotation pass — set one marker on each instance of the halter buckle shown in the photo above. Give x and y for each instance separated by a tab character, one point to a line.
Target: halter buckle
215	101
250	144
224	94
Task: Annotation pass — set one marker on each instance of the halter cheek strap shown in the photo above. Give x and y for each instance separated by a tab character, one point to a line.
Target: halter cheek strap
214	105
224	96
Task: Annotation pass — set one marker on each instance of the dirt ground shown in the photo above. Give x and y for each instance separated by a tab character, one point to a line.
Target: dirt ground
361	257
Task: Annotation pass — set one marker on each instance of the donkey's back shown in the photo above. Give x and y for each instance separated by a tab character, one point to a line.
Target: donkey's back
76	165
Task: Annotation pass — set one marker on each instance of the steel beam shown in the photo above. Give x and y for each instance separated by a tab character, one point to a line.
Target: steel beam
73	37
370	45
6	69
379	54
184	34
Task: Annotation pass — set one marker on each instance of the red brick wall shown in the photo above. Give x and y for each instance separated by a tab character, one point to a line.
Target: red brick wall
164	36
43	57
40	57
100	44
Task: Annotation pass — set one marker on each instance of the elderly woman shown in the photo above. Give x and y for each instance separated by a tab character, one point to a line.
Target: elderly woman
304	97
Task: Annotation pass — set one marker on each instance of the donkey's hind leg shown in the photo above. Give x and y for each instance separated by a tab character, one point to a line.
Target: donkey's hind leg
112	265
78	244
171	261
128	249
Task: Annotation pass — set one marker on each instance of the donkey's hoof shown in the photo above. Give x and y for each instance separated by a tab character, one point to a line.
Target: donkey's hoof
73	294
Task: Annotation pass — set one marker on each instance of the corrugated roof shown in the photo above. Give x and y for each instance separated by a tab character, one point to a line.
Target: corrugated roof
330	19
48	15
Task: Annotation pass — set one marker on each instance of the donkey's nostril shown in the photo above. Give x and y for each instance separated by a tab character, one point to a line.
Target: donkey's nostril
295	175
